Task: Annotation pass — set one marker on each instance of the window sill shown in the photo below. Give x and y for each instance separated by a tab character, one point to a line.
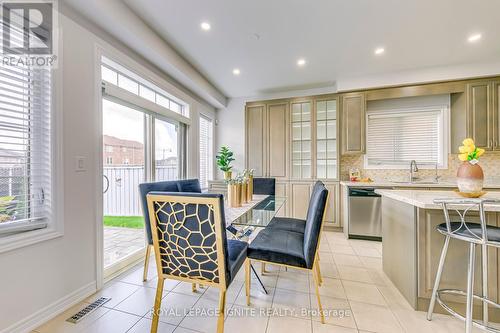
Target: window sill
27	238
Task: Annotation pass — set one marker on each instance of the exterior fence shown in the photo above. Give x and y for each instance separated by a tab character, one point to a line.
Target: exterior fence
12	181
121	188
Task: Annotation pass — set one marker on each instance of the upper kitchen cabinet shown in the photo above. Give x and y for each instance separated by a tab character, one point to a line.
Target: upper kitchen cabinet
267	139
301	139
353	123
326	139
480	115
277	134
256	139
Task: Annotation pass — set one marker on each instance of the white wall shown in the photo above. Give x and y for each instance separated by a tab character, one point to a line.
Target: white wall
36	278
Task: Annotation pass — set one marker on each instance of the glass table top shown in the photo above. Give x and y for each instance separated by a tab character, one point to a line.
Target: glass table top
262	213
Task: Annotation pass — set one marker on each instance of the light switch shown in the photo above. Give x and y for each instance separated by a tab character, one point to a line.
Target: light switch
80	164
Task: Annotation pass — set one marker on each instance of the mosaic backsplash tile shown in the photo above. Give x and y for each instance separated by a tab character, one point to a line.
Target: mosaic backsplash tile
490	162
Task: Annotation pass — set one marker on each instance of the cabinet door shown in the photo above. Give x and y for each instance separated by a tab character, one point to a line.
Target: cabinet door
353	120
480	114
496	115
301	193
301	138
282	191
277	115
255	139
332	212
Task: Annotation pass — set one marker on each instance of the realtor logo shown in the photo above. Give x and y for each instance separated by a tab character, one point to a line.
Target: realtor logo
28	35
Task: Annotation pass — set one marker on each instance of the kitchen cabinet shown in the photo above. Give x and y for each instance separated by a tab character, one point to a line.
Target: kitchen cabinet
332	215
301	139
255	139
277	134
299	199
353	123
483	114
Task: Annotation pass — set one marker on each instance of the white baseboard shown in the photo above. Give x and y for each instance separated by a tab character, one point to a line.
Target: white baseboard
52	310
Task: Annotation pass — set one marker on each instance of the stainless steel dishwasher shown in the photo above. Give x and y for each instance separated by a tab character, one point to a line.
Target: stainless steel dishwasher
365	221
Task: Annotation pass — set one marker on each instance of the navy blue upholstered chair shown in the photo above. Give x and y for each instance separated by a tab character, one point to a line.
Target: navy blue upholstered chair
189	239
265	186
185	185
294	246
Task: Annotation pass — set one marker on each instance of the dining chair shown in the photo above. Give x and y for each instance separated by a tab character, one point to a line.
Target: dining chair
190	244
290	248
264	186
184	185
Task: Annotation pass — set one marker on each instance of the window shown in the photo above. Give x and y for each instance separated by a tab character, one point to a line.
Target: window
396	137
109	160
206	151
25	148
109	149
126	79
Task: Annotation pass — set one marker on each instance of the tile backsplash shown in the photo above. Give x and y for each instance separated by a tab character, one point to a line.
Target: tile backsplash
490	162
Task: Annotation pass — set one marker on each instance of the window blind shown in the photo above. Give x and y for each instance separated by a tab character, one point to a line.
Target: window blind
25	148
396	138
206	151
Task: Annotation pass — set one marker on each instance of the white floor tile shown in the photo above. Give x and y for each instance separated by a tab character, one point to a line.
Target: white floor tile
202	317
139	303
113	322
347	260
289	325
351	273
292	281
337	311
375	318
362	292
245	320
291	303
117	291
174	307
144	326
318	327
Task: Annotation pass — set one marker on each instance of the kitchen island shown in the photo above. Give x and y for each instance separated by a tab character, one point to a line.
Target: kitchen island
412	247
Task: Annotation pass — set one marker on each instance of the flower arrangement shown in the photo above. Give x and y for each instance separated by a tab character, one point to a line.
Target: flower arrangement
469	152
470	175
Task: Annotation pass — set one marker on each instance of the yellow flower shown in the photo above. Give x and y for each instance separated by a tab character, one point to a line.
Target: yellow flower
468	142
470	149
463	157
480	152
463	149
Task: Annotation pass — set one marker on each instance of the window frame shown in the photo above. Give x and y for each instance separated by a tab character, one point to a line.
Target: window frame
444	138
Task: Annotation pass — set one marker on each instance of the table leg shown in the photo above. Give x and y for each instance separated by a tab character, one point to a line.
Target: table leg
258	279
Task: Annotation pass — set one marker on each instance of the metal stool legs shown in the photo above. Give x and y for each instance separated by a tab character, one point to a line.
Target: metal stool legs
438	277
484	264
470	288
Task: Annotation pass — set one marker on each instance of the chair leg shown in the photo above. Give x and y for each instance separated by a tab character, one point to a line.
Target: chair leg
146	263
320	278
470	288
484	262
316	284
247	280
193	287
157	306
263	268
222	307
438	278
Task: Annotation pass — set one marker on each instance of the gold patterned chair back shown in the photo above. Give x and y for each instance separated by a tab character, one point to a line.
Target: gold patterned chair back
189	236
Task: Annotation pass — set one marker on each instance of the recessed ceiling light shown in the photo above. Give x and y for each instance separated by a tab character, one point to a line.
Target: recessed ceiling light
379	50
205	26
236	71
474	38
301	62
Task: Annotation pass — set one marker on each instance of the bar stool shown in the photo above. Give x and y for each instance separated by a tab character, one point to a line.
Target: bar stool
475	234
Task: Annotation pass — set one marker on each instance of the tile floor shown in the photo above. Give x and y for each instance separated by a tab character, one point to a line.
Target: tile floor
359	296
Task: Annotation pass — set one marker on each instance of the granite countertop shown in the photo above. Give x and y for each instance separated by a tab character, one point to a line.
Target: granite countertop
448	183
425	198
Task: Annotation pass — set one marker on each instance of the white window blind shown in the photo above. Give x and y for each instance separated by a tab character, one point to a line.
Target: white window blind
206	151
25	148
394	138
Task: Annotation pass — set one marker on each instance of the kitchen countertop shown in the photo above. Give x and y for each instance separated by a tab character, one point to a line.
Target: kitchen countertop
425	198
448	183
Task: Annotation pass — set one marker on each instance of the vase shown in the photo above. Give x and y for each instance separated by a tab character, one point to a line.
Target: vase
227	175
233	195
238	195
470	178
244	198
250	188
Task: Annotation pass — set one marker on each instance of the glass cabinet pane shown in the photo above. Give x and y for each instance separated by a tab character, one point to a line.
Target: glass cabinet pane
296	132
306	168
306	131
301	139
296	110
296	169
326	139
306	111
296	148
306	150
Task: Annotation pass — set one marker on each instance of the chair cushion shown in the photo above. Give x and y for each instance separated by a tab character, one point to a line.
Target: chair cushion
236	253
278	246
314	221
473	231
287	224
189	185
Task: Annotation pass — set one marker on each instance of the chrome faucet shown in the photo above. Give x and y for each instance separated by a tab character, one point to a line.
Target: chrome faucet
413	168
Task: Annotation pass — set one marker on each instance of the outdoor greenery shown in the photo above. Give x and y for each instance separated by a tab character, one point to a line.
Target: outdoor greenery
133	222
224	159
7	208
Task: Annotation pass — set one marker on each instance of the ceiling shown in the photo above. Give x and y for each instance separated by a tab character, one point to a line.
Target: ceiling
264	39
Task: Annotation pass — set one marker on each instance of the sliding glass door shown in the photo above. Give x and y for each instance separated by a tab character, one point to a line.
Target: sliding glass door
138	146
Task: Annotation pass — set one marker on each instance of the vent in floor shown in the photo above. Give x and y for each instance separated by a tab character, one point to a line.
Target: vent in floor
87	310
